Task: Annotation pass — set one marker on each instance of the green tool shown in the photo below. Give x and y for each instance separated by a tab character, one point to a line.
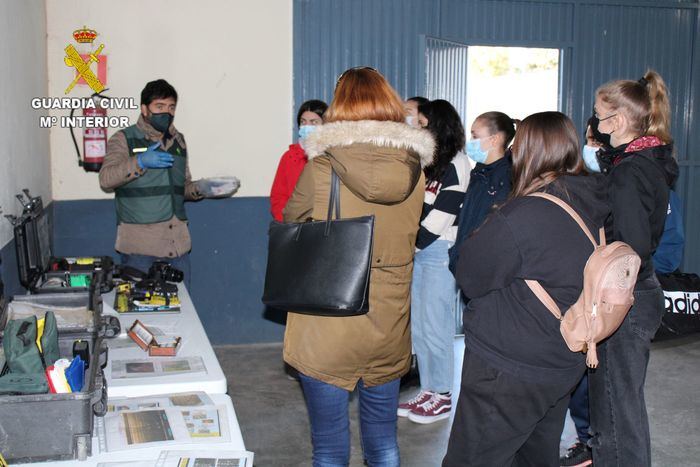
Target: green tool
79	280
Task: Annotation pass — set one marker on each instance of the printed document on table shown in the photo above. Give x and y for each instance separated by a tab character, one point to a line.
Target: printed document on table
205	459
147	368
187	399
149	463
130	429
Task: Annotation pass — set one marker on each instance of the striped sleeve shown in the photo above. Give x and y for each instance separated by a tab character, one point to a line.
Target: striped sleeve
440	211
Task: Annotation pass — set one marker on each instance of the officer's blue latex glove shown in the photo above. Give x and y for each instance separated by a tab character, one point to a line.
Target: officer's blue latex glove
154	159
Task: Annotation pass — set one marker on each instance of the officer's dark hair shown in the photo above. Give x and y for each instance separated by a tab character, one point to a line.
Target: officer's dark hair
158	89
315	106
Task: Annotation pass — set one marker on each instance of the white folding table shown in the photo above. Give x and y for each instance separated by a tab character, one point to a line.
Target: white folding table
195	343
152	453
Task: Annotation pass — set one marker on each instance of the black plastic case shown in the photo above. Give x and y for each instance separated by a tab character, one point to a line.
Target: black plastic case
39	271
48	427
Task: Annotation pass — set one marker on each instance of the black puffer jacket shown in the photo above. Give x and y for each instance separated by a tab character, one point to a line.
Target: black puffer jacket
529	238
639	190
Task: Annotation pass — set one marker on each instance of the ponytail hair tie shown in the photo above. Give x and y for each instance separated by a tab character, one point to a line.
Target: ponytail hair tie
643	81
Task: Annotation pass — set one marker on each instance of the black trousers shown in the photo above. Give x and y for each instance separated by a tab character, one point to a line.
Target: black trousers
502	420
618	409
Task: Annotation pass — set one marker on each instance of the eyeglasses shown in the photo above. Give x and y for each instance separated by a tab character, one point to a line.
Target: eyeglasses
353	69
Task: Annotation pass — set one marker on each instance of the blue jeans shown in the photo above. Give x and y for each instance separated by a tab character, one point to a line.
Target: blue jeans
578	406
433	302
330	422
143	263
618	410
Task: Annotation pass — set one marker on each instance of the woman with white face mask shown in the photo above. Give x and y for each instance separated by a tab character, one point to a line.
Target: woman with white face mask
489	181
433	290
411	106
309	117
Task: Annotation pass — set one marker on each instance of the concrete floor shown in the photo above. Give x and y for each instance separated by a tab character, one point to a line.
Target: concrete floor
272	413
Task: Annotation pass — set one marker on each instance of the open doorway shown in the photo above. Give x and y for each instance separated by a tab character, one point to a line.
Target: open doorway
518	81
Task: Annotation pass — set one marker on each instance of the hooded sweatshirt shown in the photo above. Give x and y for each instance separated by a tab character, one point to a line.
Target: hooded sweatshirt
529	238
640	175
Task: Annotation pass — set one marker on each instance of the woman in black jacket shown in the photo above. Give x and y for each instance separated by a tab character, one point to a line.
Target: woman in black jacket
489	180
641	168
518	372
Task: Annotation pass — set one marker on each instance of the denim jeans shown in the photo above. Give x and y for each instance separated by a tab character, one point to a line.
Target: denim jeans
618	410
580	414
143	263
433	303
330	422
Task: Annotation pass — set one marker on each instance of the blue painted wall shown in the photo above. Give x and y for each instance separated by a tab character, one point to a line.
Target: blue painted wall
228	258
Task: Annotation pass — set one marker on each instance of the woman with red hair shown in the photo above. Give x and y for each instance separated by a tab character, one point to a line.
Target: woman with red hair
379	161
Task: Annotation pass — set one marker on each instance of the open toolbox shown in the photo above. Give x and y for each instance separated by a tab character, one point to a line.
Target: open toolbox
39	271
46	427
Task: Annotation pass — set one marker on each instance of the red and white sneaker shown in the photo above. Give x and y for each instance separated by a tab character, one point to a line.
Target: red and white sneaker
420	398
436	408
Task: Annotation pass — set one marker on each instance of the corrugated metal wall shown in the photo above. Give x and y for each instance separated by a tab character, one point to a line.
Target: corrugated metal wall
446	73
333	35
601	40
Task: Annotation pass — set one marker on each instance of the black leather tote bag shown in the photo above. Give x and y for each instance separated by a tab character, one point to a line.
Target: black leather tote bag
320	267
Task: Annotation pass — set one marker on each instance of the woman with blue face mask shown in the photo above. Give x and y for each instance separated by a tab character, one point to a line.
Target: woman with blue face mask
591	149
309	117
489	181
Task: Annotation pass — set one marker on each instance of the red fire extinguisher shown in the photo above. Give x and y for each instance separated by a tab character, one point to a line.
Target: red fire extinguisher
94	138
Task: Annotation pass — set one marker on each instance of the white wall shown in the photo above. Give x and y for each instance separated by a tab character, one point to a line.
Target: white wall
230	61
24	147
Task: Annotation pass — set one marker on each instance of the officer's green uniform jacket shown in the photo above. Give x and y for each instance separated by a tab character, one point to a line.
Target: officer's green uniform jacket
149	203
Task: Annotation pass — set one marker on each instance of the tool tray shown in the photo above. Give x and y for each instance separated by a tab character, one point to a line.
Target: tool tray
48	427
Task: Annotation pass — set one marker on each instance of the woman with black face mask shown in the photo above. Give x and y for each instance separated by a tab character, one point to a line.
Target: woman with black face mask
634	116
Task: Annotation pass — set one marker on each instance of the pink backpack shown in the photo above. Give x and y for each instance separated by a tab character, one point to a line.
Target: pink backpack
608	285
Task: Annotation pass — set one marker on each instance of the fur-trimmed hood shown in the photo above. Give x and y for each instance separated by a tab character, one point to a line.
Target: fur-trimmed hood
379	162
381	134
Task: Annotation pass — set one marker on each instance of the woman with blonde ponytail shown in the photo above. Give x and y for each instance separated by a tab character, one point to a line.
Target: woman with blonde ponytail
633	117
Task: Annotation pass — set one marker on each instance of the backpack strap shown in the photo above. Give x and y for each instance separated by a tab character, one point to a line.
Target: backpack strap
570	211
544	297
534	285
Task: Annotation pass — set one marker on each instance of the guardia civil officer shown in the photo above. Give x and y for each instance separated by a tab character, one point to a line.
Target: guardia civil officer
146	167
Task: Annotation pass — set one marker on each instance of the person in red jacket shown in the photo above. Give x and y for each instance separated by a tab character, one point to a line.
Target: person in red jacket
292	163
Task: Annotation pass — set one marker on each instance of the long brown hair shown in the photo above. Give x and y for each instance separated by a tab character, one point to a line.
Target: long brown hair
364	94
644	102
545	147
